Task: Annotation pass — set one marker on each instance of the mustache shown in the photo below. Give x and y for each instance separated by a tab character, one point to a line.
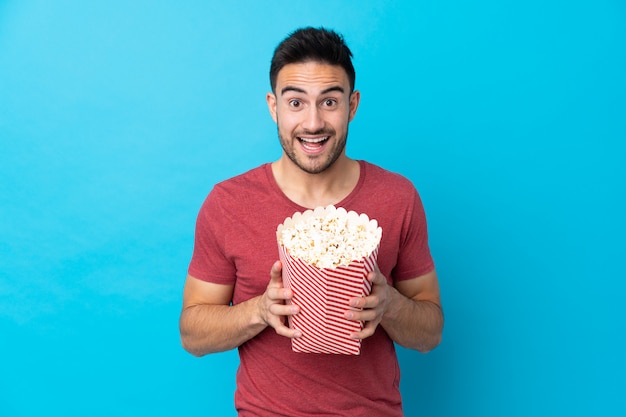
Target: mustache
319	132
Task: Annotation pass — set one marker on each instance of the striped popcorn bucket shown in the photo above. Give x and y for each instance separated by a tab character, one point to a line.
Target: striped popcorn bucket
323	295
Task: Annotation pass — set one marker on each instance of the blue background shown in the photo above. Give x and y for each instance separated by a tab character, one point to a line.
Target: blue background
117	117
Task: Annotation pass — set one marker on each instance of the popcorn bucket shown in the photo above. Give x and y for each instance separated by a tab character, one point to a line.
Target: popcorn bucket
323	292
323	296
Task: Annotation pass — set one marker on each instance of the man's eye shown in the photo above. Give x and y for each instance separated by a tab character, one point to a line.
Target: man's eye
295	103
330	102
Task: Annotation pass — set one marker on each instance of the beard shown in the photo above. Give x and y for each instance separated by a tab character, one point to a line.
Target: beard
318	163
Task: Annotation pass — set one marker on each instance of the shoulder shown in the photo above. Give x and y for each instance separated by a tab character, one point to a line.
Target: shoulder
253	184
238	192
251	179
387	193
379	181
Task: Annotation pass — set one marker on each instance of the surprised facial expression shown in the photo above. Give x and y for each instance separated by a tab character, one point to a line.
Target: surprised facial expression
312	107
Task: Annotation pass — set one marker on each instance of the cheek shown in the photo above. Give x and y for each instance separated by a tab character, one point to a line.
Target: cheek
286	121
339	121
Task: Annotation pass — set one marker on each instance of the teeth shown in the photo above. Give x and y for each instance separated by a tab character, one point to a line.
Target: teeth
313	140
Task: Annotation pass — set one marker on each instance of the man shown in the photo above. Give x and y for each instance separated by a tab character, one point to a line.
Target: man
234	297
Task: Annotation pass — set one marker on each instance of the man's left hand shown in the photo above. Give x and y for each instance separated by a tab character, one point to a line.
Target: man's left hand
373	306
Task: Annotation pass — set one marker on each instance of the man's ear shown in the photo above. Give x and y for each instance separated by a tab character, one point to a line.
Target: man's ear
355	99
271	105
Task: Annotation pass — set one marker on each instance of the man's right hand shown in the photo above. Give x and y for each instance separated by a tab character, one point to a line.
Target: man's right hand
209	323
273	305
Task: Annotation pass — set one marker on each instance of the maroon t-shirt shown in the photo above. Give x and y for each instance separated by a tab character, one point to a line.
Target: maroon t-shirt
235	244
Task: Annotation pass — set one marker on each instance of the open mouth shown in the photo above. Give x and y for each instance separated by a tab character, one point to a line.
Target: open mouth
313	144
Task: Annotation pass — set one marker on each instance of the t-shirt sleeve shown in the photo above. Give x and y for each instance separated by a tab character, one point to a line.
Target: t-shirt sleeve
414	258
210	261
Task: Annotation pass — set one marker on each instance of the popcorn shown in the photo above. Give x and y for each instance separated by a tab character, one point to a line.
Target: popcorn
329	237
327	254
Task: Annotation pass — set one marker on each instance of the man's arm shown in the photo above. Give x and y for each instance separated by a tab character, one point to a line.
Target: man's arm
208	323
410	312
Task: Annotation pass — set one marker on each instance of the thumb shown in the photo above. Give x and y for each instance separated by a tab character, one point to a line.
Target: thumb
376	277
276	274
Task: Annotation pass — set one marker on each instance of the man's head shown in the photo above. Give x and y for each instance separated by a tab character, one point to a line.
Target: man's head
311	44
313	98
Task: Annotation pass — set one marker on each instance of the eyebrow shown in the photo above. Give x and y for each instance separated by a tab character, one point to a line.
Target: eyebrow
300	90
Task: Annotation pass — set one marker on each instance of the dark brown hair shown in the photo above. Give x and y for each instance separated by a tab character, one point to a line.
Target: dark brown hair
312	44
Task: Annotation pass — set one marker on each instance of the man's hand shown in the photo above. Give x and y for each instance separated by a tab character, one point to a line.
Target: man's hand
373	306
410	311
209	323
272	305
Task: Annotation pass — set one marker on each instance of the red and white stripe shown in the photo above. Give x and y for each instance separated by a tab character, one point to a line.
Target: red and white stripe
323	296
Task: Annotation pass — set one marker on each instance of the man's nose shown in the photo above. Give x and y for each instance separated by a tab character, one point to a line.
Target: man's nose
313	121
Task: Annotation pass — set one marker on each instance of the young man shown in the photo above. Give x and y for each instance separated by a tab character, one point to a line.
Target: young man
234	297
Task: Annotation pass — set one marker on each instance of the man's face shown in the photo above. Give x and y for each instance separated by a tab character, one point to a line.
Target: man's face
312	107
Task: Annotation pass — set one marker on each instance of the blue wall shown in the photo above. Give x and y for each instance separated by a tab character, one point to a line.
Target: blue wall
117	117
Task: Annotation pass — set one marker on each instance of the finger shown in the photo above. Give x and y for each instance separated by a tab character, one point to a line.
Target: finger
279	324
376	278
279	293
367	331
276	274
364	315
283	330
284	309
370	301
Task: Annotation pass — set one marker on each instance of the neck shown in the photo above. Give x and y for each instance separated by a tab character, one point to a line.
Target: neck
314	190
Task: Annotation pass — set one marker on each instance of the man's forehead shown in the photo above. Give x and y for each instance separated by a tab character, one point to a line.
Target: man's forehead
312	77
